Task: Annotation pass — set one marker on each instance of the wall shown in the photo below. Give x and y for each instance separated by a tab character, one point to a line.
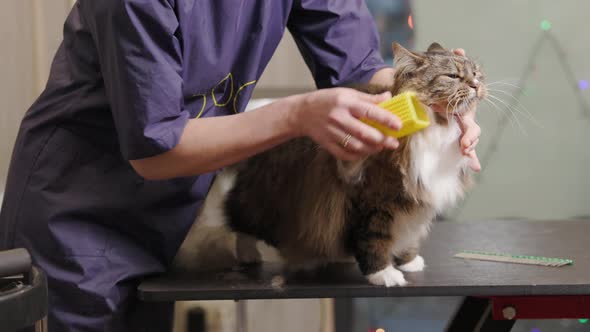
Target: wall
30	31
286	73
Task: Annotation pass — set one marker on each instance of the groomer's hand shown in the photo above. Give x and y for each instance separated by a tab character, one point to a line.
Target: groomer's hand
331	118
471	131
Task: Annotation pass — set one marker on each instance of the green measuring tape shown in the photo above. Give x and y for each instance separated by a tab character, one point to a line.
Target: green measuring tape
510	258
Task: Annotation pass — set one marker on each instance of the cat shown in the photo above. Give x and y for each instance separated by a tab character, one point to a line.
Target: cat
315	209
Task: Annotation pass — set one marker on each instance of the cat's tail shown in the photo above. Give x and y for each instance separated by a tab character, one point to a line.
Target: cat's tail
210	244
212	213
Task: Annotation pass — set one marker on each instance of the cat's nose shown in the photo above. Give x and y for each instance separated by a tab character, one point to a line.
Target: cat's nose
474	83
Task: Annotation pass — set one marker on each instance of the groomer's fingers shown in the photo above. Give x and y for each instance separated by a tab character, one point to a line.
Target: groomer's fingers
366	110
334	147
368	135
472	146
471	131
469	115
376	99
474	163
352	143
341	153
459	51
351	125
471	136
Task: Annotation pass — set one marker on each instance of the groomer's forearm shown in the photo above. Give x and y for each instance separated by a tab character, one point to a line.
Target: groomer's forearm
208	144
383	77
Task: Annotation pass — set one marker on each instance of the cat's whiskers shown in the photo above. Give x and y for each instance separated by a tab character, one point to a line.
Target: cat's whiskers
467	104
457	95
450	113
504	83
460	97
501	111
520	107
454	96
517	105
512	111
453	108
458	104
449	101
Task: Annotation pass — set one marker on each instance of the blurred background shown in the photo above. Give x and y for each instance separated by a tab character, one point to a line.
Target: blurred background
533	149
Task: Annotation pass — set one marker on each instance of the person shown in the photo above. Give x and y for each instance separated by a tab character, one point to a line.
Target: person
143	104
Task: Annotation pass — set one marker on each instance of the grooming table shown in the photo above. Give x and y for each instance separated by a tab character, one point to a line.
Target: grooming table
496	294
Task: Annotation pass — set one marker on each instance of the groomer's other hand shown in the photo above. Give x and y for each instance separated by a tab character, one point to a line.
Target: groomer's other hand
469	138
470	131
331	117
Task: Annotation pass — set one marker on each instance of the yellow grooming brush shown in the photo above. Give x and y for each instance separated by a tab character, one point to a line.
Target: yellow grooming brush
407	107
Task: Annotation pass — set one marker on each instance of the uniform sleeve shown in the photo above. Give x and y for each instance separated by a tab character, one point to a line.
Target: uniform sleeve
141	64
338	40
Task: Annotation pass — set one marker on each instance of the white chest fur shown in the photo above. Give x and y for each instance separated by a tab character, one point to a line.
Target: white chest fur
436	163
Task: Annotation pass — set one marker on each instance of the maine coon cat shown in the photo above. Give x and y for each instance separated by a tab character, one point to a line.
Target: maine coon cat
315	209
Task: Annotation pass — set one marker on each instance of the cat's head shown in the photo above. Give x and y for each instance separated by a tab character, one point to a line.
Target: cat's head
439	77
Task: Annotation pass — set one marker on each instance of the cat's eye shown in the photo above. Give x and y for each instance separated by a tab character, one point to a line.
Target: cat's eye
453	76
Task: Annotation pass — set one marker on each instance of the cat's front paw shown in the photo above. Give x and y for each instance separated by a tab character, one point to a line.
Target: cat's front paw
388	277
246	251
249	256
416	265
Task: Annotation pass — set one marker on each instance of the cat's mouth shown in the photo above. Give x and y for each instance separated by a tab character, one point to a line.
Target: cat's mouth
458	110
458	106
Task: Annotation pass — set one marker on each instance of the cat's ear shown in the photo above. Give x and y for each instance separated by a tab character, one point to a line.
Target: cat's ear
403	57
436	48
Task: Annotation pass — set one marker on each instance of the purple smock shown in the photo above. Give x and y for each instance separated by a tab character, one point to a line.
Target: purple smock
127	77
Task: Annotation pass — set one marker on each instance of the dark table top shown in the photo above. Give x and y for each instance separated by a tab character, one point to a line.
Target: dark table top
444	275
